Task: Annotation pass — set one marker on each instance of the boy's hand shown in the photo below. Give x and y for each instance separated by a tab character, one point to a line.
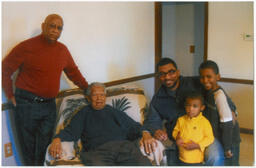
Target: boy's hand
191	145
228	154
179	140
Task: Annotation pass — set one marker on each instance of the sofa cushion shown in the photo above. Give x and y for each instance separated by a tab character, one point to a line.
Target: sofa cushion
132	101
69	106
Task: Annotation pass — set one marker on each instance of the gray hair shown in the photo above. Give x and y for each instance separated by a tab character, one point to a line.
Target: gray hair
88	91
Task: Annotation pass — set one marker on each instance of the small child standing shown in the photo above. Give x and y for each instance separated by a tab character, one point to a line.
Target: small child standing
218	112
193	132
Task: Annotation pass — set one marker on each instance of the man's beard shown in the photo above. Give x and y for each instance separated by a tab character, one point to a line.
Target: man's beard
173	86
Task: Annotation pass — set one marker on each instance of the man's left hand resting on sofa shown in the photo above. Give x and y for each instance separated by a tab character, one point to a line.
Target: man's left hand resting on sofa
105	133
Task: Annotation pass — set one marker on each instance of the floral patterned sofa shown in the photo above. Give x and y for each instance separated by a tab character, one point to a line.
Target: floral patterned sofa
131	100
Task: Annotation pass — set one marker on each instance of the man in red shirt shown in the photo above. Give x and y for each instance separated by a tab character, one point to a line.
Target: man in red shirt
40	61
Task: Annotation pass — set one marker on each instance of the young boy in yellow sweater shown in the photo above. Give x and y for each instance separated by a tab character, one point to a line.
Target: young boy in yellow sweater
193	132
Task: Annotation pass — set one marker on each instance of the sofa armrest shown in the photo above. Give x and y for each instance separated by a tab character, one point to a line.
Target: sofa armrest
74	162
68	156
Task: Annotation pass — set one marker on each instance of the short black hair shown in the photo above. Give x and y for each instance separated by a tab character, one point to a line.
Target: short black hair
209	64
194	95
165	61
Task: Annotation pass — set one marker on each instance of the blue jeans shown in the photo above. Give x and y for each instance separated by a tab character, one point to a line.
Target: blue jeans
214	154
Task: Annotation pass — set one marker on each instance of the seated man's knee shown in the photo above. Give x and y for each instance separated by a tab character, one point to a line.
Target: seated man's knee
214	155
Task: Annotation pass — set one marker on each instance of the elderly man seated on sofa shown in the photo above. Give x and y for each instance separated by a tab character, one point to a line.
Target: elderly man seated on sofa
108	135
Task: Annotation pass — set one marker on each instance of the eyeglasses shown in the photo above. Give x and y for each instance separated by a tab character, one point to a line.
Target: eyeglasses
53	26
163	74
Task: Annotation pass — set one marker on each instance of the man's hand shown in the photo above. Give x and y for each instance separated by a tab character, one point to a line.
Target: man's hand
161	135
228	154
55	149
13	100
148	142
191	145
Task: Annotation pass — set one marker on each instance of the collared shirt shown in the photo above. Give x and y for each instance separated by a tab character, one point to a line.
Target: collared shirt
197	129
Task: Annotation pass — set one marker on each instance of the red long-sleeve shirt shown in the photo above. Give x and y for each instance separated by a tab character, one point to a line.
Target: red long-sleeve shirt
40	64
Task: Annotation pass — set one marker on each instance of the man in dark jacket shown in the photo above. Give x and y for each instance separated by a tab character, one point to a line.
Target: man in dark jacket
107	134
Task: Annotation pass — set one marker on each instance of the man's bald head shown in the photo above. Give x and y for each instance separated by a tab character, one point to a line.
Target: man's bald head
52	16
52	27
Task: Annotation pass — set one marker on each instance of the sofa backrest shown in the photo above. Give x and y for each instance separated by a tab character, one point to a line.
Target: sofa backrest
130	100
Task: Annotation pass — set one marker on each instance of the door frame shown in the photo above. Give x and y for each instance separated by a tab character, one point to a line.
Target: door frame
158	37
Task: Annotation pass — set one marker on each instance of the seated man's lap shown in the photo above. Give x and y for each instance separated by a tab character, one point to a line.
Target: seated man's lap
115	153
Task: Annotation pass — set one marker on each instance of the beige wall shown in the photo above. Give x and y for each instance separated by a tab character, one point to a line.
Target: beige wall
108	40
228	23
242	96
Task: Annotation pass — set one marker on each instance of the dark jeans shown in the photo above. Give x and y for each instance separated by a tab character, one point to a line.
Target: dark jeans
190	164
115	153
234	160
35	123
173	155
